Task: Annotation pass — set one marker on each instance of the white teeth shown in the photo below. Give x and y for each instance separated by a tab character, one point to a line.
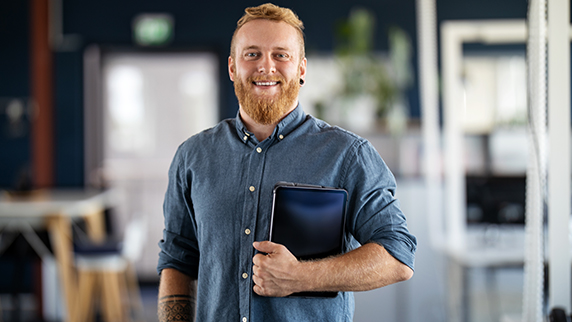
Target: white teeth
266	83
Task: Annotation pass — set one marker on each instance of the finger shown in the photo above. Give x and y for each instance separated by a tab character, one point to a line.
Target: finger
258	290
258	286
256	270
257	259
256	279
266	246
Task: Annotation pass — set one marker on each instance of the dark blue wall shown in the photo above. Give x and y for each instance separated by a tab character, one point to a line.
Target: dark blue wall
198	25
14	82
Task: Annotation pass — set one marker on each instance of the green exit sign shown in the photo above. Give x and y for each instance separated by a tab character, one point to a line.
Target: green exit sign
153	29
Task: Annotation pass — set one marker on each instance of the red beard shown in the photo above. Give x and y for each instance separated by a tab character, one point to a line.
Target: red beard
266	109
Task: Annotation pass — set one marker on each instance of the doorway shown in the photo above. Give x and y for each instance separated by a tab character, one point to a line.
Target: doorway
150	102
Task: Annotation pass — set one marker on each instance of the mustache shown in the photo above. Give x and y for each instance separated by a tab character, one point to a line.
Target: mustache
269	78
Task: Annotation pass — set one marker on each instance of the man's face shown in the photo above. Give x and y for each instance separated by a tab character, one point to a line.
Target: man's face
266	69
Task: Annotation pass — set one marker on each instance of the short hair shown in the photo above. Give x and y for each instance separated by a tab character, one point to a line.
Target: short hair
271	12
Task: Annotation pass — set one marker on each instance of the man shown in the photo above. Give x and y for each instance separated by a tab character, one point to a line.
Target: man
218	203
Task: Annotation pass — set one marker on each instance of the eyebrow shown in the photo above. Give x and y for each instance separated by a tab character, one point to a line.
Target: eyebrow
250	47
258	48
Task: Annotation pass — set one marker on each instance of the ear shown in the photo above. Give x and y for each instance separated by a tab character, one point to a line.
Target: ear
303	64
231	70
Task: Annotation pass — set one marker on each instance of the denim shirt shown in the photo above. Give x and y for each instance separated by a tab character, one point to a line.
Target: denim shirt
219	199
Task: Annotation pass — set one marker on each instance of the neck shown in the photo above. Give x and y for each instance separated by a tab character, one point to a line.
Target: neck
261	131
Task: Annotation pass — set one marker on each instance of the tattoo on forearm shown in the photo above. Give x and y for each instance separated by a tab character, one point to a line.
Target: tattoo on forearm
176	308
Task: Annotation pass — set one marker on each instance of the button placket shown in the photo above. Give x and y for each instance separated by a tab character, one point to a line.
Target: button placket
254	173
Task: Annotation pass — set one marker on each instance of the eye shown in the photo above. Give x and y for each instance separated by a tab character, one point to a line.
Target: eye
282	56
251	55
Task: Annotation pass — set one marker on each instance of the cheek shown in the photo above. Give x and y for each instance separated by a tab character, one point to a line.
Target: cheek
243	72
293	71
294	74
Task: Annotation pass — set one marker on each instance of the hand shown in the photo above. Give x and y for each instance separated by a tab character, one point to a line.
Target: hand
275	274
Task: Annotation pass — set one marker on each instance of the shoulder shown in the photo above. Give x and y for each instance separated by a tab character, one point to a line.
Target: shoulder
220	131
357	150
333	132
211	137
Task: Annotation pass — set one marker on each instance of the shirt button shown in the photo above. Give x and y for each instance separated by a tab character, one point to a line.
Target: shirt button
247	231
245	138
244	275
251	188
244	319
281	136
258	150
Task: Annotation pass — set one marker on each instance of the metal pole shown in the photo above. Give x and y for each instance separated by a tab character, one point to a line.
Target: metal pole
559	155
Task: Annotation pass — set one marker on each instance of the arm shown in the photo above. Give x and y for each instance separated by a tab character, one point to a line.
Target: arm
368	267
374	219
177	297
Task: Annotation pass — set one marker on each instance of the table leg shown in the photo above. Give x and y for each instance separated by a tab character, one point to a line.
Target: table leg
458	293
59	227
95	226
88	285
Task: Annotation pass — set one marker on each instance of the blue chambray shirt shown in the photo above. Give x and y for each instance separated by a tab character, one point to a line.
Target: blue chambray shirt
219	199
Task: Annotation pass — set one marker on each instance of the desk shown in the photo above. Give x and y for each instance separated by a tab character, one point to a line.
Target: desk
488	246
55	210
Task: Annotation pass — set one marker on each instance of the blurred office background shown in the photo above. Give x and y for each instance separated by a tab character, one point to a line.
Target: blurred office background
97	95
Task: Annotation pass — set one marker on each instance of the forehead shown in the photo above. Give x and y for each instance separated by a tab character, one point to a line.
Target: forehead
267	34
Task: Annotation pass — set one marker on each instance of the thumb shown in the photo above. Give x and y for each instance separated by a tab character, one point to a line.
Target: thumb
265	246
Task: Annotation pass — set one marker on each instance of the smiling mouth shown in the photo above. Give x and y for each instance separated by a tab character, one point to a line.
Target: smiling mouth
265	83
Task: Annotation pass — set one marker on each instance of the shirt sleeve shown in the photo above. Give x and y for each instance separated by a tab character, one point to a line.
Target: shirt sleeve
374	213
179	246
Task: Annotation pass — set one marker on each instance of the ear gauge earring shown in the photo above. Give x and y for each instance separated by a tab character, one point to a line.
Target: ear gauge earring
301	81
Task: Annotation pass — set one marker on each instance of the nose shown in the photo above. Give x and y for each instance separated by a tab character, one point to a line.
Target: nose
267	65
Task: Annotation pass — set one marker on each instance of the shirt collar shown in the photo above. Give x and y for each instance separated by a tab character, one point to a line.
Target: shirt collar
281	131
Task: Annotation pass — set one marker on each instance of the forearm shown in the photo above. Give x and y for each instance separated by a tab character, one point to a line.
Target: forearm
177	297
365	268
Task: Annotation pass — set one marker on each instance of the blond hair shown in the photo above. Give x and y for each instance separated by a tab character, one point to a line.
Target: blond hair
271	12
